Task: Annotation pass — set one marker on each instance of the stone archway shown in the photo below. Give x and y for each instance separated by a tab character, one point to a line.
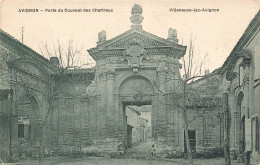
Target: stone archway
126	67
134	90
136	86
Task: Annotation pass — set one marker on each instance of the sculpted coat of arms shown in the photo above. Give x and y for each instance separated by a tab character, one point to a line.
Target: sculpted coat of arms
135	53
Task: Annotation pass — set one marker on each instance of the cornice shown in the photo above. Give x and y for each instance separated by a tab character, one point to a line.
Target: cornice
154	45
98	54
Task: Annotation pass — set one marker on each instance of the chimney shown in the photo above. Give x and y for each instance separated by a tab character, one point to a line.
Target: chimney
55	61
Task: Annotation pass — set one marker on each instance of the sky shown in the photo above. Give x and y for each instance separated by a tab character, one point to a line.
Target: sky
215	33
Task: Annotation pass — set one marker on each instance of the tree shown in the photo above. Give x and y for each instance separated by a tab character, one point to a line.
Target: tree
188	76
67	60
67	56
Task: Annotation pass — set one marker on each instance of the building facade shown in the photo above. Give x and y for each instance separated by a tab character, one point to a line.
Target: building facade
241	75
25	74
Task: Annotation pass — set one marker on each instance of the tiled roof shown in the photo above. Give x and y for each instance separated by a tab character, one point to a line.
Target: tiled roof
204	102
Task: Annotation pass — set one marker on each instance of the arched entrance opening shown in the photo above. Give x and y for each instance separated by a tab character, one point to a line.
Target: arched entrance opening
240	123
28	120
136	95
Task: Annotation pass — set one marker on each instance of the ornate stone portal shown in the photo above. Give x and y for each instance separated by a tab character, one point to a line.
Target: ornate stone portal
133	69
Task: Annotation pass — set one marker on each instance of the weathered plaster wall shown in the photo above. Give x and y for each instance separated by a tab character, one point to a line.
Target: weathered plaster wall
72	118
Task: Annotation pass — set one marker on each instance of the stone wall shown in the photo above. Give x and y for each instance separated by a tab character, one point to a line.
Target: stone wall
209	127
72	117
205	114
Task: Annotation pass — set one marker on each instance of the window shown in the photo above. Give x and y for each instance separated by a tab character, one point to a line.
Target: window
20	130
23	127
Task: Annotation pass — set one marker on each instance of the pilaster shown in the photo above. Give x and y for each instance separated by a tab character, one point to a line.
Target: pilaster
101	118
110	118
161	118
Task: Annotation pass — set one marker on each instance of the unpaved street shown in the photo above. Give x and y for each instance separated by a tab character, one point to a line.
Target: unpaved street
108	161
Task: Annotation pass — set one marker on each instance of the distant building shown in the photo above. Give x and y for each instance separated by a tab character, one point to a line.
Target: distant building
146	113
133	122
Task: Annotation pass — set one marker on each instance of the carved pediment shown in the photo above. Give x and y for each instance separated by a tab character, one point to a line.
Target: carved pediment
151	43
148	40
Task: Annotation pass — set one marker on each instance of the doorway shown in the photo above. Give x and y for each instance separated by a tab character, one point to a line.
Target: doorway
192	140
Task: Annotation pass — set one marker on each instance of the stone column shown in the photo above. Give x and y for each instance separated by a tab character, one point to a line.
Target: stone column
246	65
171	86
246	70
101	106
232	107
110	117
116	117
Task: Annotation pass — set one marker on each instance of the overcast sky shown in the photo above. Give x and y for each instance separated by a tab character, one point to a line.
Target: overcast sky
216	32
